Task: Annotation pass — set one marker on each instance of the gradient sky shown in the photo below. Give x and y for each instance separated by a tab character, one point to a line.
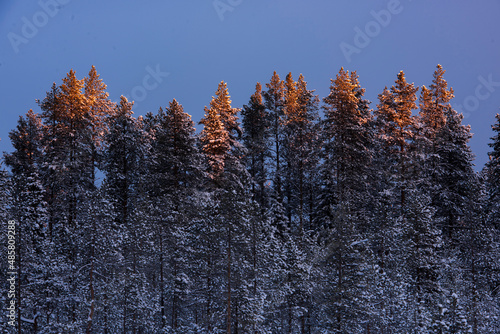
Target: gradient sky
244	41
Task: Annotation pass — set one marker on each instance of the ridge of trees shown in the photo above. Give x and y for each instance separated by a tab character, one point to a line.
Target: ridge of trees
303	216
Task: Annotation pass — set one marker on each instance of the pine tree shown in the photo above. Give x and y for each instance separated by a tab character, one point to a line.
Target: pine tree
348	144
78	160
482	248
176	157
127	146
52	168
5	216
300	148
457	183
29	210
175	174
232	203
347	270
215	139
393	180
492	170
395	125
255	137
99	108
424	264
101	256
433	103
274	102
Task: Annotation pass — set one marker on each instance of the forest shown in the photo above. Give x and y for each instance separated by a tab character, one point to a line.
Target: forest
292	214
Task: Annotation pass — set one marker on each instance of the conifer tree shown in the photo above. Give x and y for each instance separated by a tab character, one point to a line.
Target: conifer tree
457	183
433	102
395	129
300	148
29	210
124	165
54	155
216	137
347	144
424	264
492	170
393	180
204	234
175	174
274	102
230	216
5	216
99	108
74	106
255	137
347	270
492	227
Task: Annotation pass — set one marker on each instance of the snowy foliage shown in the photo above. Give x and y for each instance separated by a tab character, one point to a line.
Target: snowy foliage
360	221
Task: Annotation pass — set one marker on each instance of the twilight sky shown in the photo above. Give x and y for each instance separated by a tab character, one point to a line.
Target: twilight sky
156	50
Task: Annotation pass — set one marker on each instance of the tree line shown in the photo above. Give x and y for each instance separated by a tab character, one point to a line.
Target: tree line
289	215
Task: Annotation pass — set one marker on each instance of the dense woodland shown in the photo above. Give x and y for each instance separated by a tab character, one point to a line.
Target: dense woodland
289	215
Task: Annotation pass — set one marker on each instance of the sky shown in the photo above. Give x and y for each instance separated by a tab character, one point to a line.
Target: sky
155	50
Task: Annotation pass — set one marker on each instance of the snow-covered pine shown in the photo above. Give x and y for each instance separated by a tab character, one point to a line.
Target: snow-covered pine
5	216
29	210
175	173
274	101
301	144
125	162
197	234
99	109
255	137
395	129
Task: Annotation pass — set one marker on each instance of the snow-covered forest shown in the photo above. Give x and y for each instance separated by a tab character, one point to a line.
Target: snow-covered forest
293	214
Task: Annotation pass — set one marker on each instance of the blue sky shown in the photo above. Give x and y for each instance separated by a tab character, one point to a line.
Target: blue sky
154	51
